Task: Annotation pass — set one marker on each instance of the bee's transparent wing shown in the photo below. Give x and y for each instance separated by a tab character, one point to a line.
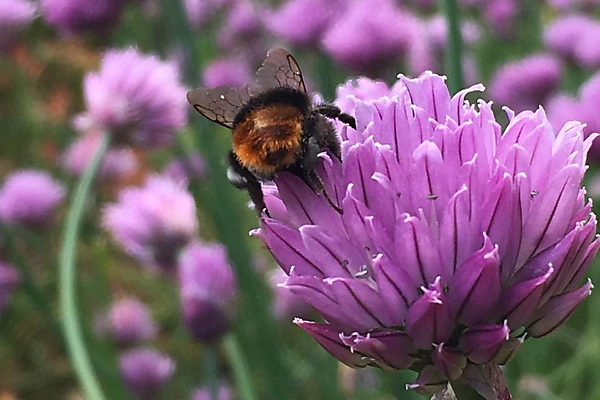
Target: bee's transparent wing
221	104
279	69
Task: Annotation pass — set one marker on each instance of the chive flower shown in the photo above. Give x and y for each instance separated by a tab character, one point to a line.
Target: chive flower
457	239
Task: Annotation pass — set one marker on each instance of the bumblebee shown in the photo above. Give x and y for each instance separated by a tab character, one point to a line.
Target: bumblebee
274	125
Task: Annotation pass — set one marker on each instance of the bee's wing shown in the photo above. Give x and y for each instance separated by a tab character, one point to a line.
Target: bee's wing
279	69
221	104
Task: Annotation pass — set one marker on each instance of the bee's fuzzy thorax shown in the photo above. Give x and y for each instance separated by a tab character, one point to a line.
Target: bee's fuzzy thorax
269	138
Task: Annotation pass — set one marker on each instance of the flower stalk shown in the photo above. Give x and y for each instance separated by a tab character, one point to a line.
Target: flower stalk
454	48
211	371
68	280
241	372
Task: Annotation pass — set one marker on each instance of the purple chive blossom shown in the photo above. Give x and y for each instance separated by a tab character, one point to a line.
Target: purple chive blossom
73	17
146	371
116	164
456	241
15	15
208	291
527	83
153	222
9	281
286	305
562	109
186	169
30	198
500	15
137	98
226	72
204	394
370	36
290	21
563	35
128	322
242	24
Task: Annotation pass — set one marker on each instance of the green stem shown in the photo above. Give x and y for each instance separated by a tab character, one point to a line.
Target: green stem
67	279
240	369
212	371
454	47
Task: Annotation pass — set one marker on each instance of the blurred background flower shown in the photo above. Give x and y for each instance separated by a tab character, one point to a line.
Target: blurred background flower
146	371
30	198
208	291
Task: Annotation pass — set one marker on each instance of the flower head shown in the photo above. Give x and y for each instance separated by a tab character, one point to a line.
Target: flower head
30	198
9	281
208	291
369	36
74	17
14	16
116	164
154	222
226	72
136	98
564	35
146	371
290	22
527	83
500	15
128	322
563	108
455	241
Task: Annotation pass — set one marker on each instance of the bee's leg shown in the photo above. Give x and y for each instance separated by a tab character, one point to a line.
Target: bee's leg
242	178
331	111
313	180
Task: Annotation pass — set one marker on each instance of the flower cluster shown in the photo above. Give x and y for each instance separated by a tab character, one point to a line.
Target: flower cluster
457	241
136	98
154	222
30	198
208	291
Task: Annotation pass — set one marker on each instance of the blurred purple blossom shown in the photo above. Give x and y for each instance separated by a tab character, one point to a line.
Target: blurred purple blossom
30	197
564	34
563	108
286	305
128	322
137	98
153	222
204	394
116	164
227	72
10	279
73	17
368	37
242	24
208	291
456	238
500	15
146	371
15	15
290	21
525	84
186	169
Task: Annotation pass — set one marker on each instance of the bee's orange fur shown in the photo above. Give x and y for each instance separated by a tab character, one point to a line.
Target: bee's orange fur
265	131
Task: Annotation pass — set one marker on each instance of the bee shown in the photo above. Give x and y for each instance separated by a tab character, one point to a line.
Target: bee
275	127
